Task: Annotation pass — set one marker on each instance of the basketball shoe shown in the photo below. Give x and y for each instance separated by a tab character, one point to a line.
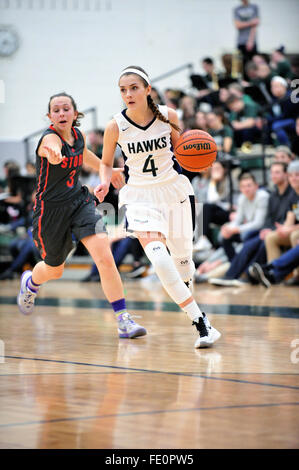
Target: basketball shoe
26	296
127	328
207	333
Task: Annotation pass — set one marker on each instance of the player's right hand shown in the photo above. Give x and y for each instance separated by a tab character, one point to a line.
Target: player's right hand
54	156
101	191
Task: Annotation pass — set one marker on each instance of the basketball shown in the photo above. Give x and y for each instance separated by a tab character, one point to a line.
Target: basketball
196	150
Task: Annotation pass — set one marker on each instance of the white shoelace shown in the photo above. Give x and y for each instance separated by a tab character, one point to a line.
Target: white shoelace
29	297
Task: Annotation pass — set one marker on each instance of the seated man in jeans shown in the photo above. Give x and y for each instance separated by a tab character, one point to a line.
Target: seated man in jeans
254	249
250	217
275	272
286	233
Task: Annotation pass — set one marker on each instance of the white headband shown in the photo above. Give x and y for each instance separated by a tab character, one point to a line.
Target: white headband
137	72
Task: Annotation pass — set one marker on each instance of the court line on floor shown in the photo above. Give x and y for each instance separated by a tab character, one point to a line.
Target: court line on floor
150	412
217	309
127	371
183	374
70	373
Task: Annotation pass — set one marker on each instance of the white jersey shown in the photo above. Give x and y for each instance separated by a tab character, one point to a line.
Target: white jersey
147	151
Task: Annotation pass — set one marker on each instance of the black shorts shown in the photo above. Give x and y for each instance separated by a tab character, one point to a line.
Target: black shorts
56	224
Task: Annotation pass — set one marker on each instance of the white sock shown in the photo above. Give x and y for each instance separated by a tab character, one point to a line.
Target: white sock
193	311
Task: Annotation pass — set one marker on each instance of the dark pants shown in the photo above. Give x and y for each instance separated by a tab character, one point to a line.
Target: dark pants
228	247
253	251
285	264
213	214
23	251
227	243
127	245
252	134
283	128
246	56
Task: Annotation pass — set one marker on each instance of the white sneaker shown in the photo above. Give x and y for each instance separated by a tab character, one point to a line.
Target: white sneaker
207	333
221	281
202	244
26	297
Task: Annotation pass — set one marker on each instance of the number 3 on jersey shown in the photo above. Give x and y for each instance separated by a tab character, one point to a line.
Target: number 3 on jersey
70	181
150	162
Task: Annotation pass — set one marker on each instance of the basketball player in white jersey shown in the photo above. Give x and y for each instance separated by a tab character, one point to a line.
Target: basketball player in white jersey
159	200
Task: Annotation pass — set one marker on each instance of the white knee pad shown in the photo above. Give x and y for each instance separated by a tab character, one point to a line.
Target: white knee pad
166	270
185	267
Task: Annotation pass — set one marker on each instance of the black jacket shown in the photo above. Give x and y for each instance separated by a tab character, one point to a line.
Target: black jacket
278	206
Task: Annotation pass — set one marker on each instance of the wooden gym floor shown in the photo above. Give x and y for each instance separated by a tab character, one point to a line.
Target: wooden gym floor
68	381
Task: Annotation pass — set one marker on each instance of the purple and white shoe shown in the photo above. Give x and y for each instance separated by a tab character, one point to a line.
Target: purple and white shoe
127	328
26	297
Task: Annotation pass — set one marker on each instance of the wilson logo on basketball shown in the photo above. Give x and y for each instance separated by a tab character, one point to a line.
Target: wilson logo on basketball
196	150
199	146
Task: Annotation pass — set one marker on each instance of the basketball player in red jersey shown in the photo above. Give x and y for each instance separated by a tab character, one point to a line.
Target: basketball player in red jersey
159	200
63	207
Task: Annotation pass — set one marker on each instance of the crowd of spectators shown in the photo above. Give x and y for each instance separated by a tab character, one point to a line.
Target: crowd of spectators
17	193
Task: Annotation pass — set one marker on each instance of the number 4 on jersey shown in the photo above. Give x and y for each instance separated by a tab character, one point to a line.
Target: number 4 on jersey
150	162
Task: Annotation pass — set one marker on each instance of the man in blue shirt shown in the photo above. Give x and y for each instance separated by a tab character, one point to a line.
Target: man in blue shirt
246	19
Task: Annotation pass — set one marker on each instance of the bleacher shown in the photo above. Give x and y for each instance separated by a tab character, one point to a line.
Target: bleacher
255	157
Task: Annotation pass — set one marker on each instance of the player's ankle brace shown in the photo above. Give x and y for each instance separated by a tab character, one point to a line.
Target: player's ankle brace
165	268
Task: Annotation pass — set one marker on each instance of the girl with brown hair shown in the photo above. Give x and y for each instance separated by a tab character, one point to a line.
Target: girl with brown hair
158	199
63	208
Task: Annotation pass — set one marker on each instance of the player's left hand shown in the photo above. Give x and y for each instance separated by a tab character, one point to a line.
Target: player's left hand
100	191
117	178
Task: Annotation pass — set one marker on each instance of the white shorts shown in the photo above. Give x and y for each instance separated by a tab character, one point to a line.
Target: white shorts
168	209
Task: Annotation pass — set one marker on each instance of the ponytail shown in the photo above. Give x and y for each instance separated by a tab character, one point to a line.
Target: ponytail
157	113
